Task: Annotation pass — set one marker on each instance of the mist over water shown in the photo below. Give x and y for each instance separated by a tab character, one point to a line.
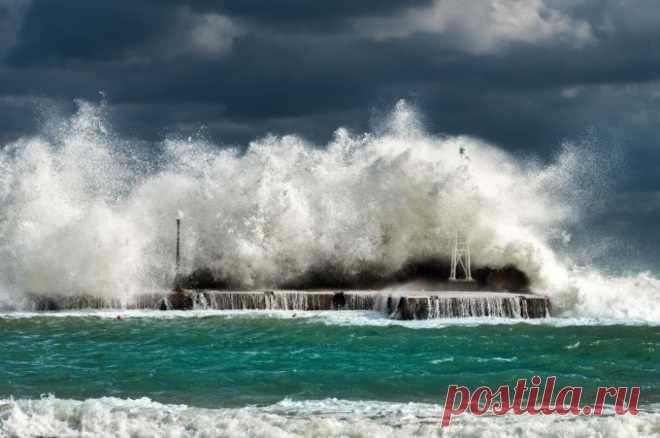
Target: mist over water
81	211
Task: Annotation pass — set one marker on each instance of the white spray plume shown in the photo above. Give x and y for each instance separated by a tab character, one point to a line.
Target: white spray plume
79	216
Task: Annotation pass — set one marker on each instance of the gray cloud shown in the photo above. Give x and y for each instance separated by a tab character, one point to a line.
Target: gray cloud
484	27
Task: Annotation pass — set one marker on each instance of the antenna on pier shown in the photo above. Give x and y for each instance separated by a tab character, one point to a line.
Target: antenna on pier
460	253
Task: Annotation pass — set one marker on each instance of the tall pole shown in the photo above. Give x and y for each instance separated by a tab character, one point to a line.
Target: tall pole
178	245
177	272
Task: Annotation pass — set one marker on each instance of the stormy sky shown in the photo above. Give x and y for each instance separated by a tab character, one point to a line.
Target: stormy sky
526	75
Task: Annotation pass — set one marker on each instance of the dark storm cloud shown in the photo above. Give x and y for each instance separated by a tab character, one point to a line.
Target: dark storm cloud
57	32
302	14
142	55
555	71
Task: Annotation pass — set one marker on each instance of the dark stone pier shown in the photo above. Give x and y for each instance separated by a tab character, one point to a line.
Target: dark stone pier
405	305
396	304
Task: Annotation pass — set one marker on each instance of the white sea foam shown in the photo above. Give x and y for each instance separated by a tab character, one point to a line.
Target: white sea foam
110	417
338	318
80	213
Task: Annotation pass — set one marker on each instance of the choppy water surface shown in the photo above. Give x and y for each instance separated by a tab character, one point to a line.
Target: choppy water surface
312	373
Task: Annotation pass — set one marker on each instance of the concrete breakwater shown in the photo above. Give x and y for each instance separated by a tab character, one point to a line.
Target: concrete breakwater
395	304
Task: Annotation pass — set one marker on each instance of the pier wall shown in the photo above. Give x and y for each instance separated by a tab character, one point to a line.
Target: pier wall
405	305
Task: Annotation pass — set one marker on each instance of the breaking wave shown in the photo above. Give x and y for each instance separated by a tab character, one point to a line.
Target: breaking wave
331	417
83	212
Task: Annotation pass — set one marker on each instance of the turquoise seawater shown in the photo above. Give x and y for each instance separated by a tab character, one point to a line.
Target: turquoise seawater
232	361
283	374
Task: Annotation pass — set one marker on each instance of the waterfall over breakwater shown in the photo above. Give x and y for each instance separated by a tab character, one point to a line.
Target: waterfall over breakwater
284	300
498	305
399	305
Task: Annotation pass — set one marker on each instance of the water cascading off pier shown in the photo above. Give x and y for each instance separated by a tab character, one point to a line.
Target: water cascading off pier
405	305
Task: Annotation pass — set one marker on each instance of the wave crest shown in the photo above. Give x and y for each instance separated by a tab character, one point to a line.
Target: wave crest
331	417
86	212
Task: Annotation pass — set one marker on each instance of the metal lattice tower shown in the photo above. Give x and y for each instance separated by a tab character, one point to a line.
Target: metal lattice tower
460	253
460	256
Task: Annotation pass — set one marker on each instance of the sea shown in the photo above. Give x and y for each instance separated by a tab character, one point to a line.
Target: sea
284	373
84	211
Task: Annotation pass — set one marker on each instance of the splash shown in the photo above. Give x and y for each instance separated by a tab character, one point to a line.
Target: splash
82	212
50	416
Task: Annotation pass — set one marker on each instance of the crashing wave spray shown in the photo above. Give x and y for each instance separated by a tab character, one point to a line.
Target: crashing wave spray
82	214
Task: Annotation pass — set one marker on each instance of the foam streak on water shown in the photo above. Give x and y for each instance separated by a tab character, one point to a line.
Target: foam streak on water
343	318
